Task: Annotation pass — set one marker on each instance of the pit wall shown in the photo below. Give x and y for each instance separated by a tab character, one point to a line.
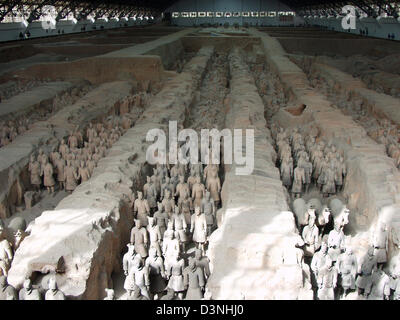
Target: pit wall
372	184
139	62
90	228
14	158
256	228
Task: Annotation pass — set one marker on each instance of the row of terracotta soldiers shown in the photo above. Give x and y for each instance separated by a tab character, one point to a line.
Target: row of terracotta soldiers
13	88
11	129
73	162
387	133
185	214
28	292
314	162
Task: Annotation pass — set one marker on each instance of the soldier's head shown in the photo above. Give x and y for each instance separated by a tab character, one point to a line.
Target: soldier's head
148	179
151	221
181	179
349	251
160	206
197	210
82	164
140	195
27	284
138	223
52	284
176	210
131	248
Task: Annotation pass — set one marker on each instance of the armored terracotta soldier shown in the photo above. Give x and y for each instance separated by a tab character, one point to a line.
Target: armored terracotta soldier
186	206
367	267
129	258
6	289
70	176
191	180
180	226
60	166
6	254
90	132
140	277
90	164
194	282
83	172
171	246
167	186
199	228
287	172
298	181
197	170
380	244
329	180
157	275
310	236
156	178
161	219
214	186
347	268
202	262
318	262
47	173
150	194
154	235
28	293
335	242
328	283
34	169
139	238
198	192
211	170
380	289
175	276
182	188
168	203
63	149
126	123
141	209
54	293
72	141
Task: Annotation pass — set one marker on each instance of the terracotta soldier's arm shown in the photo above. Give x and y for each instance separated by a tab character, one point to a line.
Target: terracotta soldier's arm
125	265
185	279
145	237
132	240
218	185
146	277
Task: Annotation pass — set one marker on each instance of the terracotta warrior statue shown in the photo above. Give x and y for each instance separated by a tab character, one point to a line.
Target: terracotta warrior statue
47	173
71	177
198	192
194	282
310	236
34	169
174	273
28	293
161	219
328	283
83	172
199	228
202	262
141	209
139	238
380	244
53	293
214	186
185	205
157	275
110	295
171	247
347	268
150	194
168	203
180	226
6	254
335	242
367	267
154	235
380	289
6	289
298	181
318	262
60	166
